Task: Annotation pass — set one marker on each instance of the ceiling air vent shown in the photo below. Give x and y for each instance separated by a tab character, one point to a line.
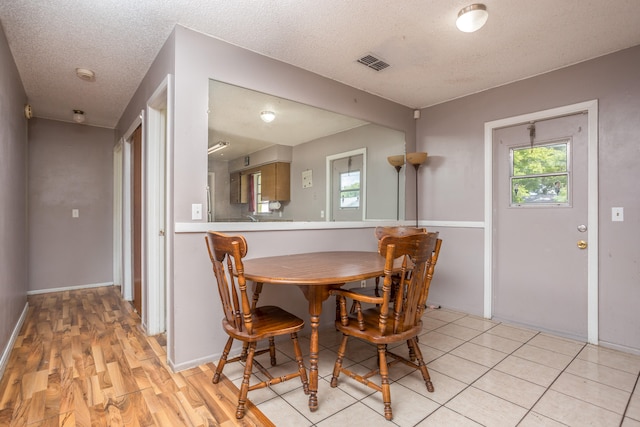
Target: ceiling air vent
372	62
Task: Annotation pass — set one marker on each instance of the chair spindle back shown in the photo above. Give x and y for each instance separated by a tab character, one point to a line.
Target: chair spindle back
416	251
226	253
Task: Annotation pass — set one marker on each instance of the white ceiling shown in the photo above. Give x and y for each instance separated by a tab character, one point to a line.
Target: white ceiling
431	61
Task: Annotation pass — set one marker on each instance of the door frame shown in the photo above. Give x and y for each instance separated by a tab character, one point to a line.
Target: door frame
329	181
118	225
157	124
125	251
156	236
591	108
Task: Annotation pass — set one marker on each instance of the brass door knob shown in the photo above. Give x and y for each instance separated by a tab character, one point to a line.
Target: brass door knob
582	244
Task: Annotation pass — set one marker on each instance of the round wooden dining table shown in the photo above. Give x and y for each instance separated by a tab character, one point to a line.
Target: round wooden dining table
315	273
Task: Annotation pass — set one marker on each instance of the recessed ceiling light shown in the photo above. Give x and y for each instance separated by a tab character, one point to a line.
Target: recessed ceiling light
86	74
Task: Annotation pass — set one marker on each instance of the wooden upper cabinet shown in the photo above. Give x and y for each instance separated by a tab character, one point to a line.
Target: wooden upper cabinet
276	181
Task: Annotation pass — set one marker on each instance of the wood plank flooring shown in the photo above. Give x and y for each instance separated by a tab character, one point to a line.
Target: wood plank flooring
82	360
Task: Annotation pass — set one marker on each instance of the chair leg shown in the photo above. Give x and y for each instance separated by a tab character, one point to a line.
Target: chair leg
223	361
412	352
384	375
300	361
243	354
244	388
422	366
338	365
272	351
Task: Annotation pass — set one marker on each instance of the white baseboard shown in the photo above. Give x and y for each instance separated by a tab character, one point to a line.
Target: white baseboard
215	358
619	347
69	288
14	336
192	363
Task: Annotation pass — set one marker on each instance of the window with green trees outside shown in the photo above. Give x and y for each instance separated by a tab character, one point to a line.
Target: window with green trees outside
540	175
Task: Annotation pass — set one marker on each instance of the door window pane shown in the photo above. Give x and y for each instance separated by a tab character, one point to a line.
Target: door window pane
350	189
540	175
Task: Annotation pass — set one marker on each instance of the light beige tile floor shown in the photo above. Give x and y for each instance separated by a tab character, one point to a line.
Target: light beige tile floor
485	373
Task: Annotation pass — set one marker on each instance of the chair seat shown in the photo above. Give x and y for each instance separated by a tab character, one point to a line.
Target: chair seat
371	332
268	321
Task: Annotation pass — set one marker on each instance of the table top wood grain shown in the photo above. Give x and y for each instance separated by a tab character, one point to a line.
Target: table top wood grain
315	268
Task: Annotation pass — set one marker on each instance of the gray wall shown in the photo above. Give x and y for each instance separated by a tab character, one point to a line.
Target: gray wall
13	196
199	58
306	203
453	183
162	65
70	167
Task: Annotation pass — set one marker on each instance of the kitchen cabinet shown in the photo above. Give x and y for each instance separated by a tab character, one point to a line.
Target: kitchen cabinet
276	181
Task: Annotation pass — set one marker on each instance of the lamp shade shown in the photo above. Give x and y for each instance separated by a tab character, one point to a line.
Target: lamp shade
396	161
472	18
416	159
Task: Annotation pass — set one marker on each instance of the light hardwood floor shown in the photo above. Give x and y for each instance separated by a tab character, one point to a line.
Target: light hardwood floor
81	359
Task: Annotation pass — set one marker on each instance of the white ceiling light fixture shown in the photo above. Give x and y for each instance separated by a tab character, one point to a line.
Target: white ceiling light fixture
267	116
86	74
78	116
218	146
472	18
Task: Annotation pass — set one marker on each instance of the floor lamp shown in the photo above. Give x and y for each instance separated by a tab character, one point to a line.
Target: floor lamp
416	159
397	162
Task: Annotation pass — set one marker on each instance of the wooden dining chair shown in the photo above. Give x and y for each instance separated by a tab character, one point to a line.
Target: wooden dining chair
394	318
380	232
398	231
245	323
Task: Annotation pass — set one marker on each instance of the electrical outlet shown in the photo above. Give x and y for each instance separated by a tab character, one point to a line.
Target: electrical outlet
363	283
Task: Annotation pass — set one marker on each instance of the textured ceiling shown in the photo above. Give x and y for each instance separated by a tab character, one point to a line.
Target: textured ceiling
431	61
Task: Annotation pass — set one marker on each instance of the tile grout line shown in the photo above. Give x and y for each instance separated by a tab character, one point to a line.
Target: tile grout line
552	382
467	386
538	333
626	408
489	370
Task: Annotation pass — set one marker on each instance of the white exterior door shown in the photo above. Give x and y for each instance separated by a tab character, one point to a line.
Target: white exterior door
540	221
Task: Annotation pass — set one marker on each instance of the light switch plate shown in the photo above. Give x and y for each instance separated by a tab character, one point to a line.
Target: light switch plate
617	214
196	211
75	213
